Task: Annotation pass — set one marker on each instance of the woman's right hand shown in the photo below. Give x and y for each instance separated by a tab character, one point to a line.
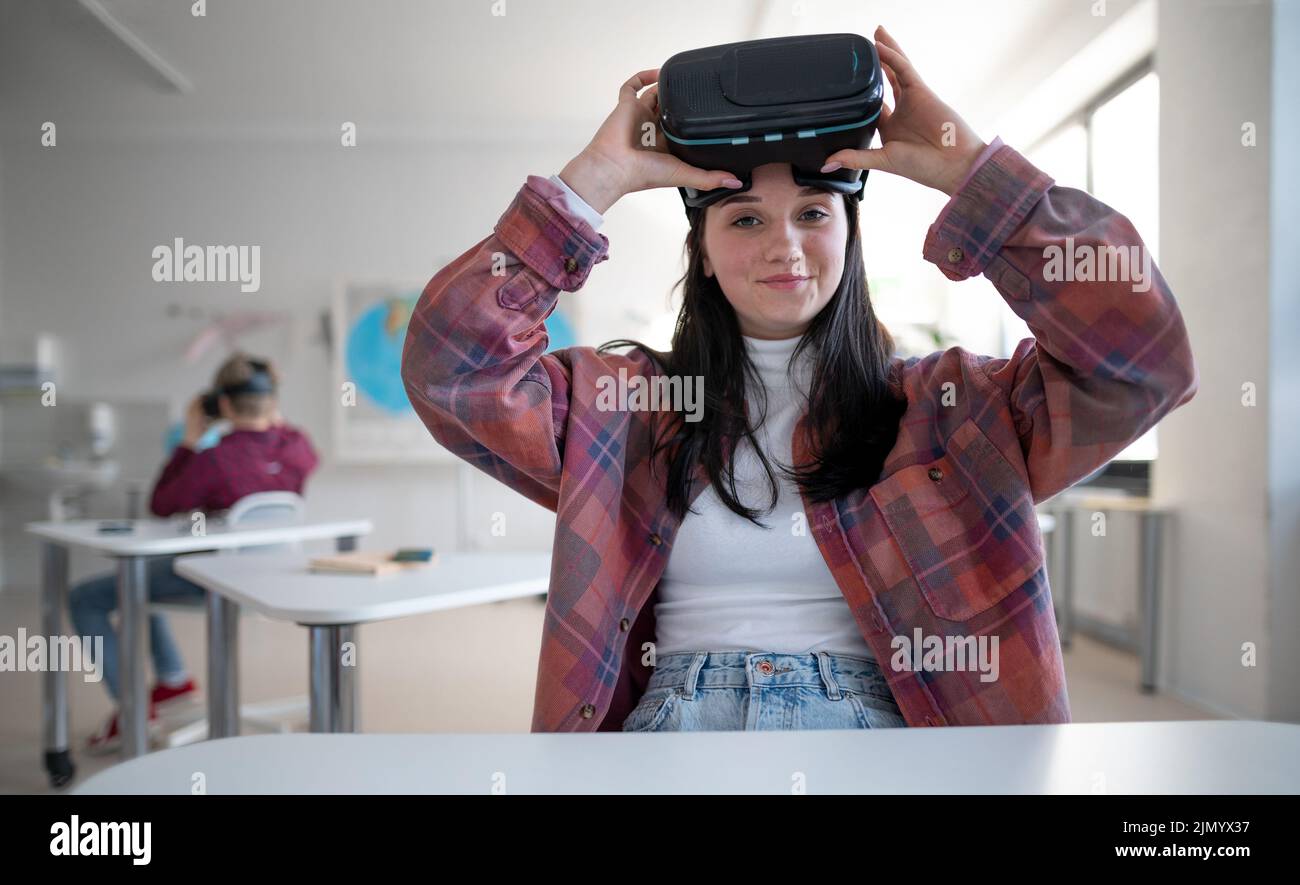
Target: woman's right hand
629	152
197	423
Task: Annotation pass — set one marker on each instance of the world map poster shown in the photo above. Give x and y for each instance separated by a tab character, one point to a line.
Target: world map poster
373	418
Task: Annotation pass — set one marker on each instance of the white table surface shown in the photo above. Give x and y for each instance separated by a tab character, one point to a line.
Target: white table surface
1228	756
281	586
165	537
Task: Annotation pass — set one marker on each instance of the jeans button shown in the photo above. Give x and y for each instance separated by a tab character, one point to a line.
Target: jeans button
765	667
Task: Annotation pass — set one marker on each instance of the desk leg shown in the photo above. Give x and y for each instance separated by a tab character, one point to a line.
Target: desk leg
1150	560
133	591
54	699
1065	570
345	544
334	706
223	666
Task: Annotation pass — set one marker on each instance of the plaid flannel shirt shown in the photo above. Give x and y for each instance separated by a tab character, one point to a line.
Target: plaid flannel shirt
946	542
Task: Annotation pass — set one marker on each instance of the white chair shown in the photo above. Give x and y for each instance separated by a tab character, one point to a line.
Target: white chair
267	717
266	507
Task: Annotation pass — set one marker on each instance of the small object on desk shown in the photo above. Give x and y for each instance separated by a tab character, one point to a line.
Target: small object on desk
366	563
413	554
116	527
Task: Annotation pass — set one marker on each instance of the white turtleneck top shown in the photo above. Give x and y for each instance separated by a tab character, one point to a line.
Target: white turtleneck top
730	585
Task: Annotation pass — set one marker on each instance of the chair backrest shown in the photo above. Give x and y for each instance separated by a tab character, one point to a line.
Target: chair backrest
266	507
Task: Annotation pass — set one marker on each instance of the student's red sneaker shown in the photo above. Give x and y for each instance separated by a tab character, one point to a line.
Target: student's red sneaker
108	739
164	696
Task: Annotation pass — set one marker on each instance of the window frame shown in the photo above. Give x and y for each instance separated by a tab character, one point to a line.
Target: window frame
1082	115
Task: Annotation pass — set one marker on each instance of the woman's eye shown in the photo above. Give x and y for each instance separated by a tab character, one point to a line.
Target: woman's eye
816	215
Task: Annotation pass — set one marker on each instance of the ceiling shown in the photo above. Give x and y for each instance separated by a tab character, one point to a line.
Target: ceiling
451	69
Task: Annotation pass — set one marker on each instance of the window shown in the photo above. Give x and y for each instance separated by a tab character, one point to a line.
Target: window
1109	148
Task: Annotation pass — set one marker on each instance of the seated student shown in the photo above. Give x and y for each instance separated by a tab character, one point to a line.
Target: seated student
260	453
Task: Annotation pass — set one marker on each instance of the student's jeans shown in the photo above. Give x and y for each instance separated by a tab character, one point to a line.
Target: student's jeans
758	691
92	601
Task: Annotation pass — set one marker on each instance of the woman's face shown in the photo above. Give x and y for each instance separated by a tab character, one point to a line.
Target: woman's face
776	229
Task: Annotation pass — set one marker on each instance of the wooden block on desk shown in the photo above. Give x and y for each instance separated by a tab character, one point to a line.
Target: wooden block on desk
365	563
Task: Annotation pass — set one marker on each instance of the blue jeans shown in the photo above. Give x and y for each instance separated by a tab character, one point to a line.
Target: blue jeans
92	601
758	691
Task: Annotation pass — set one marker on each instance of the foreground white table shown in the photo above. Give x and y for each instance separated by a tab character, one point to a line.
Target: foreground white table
1228	756
147	538
330	606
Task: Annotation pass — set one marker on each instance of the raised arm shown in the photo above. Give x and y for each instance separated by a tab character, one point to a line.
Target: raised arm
1110	354
473	362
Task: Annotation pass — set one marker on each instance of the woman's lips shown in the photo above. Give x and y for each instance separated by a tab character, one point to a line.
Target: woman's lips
785	284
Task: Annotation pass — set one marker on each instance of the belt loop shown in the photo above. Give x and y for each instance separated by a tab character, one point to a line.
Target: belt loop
688	689
824	664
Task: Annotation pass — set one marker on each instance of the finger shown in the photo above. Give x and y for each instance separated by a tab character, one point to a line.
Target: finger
886	113
893	82
650	99
637	82
907	74
883	36
686	175
874	158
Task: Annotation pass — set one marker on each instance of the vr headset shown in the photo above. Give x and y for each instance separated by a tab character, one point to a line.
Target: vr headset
259	382
790	100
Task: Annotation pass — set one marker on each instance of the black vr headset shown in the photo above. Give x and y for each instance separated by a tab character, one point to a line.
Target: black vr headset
259	382
790	100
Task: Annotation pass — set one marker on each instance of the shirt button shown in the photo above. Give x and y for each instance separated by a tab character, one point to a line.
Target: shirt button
587	711
570	264
935	474
955	255
656	540
624	624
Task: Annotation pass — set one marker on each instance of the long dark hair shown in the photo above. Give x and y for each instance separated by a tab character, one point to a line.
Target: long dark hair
853	407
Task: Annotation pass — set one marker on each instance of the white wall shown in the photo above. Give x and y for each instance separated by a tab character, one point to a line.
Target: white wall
1216	72
1284	366
4	516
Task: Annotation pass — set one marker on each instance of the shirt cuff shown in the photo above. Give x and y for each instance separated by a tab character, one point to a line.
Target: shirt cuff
537	228
979	161
577	205
983	213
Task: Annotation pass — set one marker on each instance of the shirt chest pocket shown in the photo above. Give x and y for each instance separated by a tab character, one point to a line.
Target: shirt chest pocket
966	525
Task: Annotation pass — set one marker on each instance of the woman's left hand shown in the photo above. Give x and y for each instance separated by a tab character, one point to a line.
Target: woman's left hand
921	137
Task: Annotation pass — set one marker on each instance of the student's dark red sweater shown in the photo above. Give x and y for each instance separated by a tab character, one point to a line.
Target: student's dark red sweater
244	462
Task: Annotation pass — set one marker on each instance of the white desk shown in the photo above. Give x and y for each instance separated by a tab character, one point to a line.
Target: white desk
1221	757
1151	525
331	606
148	538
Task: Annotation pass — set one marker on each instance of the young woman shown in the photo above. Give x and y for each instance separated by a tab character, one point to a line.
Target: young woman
899	578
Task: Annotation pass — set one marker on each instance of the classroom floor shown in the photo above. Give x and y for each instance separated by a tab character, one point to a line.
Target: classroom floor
432	673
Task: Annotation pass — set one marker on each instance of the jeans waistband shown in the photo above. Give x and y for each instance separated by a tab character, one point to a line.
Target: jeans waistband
837	674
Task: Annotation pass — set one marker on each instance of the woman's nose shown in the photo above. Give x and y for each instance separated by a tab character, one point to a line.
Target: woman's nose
789	254
783	245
